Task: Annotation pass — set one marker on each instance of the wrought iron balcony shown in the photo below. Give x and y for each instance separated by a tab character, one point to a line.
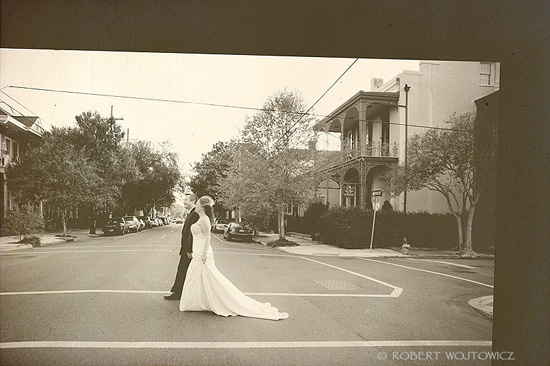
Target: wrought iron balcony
373	149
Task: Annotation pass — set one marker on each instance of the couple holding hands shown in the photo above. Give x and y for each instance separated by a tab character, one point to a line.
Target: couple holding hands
199	285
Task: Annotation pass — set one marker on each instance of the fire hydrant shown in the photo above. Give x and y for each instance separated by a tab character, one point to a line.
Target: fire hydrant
405	247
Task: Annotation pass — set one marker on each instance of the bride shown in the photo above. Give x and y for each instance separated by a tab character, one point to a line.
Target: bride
206	288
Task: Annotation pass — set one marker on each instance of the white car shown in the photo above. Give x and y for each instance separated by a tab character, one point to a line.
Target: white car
133	223
220	225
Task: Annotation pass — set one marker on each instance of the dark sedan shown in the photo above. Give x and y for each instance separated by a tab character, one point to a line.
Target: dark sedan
116	225
236	230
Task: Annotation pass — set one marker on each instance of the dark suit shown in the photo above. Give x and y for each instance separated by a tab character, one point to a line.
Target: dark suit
186	247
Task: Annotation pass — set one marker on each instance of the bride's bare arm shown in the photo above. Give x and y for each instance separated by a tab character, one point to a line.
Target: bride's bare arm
206	226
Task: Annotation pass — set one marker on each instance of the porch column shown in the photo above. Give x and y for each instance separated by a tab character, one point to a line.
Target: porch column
342	137
341	188
363	182
362	140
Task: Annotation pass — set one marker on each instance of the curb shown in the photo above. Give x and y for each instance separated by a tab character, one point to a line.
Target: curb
481	304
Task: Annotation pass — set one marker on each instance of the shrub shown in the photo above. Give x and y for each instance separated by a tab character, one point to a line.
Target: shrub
31	239
312	216
22	222
294	224
281	243
350	227
309	223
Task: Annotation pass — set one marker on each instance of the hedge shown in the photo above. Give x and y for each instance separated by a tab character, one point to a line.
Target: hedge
350	227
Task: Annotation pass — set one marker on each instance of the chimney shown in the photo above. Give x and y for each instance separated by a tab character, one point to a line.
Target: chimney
376	83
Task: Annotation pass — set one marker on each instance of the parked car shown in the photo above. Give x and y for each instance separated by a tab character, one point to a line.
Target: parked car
133	223
179	220
116	225
158	222
141	224
236	230
146	221
164	220
220	225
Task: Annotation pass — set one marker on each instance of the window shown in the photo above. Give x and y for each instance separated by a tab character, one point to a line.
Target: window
368	137
8	146
485	73
15	149
351	140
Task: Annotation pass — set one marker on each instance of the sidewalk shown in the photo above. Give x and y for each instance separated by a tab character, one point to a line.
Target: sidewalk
306	246
11	242
484	305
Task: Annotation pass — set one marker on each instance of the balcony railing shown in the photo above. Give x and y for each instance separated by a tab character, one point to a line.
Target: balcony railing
374	149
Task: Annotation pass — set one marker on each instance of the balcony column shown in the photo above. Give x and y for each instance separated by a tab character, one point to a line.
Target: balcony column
342	136
341	173
362	138
363	183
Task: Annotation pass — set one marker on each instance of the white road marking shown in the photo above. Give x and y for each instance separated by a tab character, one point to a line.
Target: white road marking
107	246
233	243
432	272
82	292
124	236
217	251
93	251
162	237
435	261
42	249
396	290
234	345
289	294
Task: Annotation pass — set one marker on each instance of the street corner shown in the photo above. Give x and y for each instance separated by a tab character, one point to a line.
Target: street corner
4	247
483	304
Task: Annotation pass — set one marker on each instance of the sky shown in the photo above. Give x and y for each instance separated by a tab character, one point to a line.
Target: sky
232	80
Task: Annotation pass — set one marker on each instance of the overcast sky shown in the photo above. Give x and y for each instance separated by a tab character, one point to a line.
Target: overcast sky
218	79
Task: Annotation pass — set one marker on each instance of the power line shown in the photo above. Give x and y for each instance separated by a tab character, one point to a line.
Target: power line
144	98
295	123
221	105
12	98
412	125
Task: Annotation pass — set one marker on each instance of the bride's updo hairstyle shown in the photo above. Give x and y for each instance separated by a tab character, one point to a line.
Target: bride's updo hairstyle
207	202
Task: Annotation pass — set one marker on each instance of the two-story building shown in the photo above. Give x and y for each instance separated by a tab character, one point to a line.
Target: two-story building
16	131
375	126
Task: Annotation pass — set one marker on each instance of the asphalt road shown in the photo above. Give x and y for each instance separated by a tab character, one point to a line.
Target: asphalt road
100	301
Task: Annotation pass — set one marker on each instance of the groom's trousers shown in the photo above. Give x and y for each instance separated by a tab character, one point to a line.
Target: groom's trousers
180	274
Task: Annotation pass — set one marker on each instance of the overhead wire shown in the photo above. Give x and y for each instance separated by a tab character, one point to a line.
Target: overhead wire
221	105
145	98
288	131
22	115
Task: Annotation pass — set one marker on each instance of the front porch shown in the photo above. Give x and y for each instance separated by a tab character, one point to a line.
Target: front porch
351	182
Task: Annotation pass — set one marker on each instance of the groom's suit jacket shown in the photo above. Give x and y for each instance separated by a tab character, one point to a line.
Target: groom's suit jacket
186	236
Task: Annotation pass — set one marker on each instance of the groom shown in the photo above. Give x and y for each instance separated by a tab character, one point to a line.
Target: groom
186	246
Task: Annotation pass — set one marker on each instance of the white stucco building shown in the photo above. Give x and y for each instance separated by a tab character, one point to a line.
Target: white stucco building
373	127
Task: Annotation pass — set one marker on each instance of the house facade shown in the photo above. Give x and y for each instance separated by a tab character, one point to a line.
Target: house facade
16	131
374	127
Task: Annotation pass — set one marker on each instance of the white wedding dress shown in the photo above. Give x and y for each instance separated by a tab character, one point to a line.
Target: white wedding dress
206	288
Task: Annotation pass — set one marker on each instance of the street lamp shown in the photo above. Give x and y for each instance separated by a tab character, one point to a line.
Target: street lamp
406	88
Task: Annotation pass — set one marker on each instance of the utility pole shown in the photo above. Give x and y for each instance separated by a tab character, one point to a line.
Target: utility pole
119	119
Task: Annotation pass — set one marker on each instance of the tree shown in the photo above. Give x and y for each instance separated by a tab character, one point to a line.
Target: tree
443	161
210	172
157	181
272	164
55	172
101	139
